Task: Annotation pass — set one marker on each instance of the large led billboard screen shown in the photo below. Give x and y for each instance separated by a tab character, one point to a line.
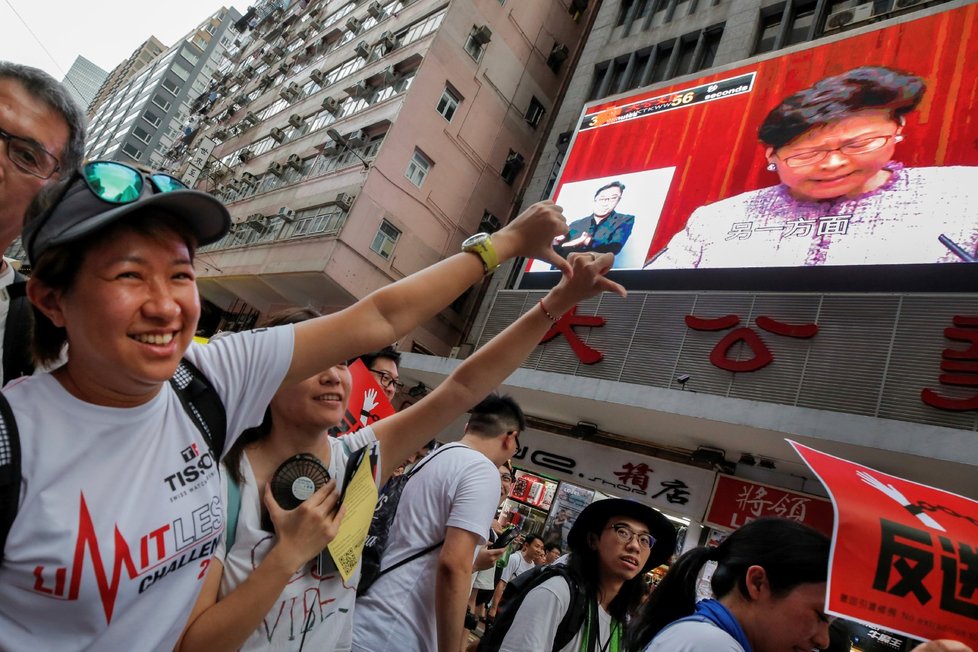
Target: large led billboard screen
851	165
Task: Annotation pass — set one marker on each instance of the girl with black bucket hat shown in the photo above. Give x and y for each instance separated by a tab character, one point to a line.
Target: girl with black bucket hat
583	603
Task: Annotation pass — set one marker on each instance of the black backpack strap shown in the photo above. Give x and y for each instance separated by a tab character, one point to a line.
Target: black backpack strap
203	404
17	360
576	613
409	559
10	474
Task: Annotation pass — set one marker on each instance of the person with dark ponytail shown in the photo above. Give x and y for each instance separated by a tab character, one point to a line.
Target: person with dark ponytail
769	595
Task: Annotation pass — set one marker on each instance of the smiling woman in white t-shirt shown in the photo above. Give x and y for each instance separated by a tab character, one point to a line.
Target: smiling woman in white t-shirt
119	506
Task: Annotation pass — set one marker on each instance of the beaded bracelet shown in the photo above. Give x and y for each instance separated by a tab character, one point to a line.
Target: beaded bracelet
547	313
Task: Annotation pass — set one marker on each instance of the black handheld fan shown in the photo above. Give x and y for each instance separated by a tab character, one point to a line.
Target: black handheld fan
296	479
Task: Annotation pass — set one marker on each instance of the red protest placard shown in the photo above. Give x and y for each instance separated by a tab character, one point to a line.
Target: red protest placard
736	501
904	555
368	403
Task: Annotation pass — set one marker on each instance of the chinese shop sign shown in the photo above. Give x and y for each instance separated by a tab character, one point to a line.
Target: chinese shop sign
761	355
904	555
737	501
959	367
678	488
565	326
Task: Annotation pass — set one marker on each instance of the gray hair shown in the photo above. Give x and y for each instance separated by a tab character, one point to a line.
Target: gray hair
48	90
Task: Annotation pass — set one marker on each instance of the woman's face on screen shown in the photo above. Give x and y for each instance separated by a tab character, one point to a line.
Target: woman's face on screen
842	159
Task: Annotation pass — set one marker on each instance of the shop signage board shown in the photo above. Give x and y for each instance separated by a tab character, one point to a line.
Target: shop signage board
904	555
737	501
676	488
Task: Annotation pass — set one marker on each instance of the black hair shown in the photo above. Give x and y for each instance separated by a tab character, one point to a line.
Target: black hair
232	459
613	184
583	562
841	96
790	553
494	415
386	353
48	90
553	545
530	538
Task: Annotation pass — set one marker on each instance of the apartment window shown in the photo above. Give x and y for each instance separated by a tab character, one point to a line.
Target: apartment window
132	151
170	86
511	168
161	102
475	44
801	23
448	102
385	239
152	118
189	56
534	113
180	71
141	134
418	168
623	11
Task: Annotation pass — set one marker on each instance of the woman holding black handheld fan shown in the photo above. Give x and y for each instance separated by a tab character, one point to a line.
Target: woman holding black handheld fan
264	590
119	507
844	199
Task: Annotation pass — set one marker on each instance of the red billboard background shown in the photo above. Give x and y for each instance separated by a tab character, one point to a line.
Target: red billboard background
714	145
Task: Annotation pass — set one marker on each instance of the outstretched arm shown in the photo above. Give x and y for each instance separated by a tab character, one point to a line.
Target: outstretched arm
403	433
394	310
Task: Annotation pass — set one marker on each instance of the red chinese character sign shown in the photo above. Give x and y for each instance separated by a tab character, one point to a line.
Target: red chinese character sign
737	501
565	326
904	555
959	368
761	355
368	403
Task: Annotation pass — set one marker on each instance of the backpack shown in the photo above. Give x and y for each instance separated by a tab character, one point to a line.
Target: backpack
197	396
17	359
517	590
380	526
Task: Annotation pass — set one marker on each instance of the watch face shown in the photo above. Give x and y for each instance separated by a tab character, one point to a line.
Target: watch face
474	240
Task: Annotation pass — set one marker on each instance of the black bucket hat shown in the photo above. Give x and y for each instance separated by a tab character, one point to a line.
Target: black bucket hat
79	212
595	516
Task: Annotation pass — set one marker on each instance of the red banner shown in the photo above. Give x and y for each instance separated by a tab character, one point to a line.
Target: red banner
904	555
368	403
736	501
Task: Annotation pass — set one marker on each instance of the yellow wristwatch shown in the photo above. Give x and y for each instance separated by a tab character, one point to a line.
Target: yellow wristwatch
481	245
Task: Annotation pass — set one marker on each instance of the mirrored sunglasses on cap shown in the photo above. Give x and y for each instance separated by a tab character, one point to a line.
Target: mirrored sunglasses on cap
121	187
118	183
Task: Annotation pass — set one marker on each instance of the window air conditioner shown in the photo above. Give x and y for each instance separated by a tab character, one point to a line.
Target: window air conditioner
482	35
362	50
277	135
850	16
276	168
374	9
296	121
295	162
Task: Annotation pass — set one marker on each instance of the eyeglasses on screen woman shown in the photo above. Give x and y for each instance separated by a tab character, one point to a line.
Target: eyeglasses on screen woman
852	148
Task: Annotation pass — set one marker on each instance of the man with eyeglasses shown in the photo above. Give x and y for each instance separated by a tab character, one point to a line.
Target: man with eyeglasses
612	544
42	135
843	198
383	365
605	230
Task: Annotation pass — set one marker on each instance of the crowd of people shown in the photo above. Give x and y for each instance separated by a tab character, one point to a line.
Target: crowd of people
137	511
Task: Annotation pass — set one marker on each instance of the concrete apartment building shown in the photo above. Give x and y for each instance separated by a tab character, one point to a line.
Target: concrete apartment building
358	142
862	388
83	81
141	56
147	114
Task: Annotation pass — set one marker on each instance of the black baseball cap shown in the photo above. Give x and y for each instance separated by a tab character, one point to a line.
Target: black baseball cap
595	516
79	213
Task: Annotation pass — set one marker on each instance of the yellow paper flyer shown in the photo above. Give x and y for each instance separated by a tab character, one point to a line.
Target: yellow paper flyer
360	499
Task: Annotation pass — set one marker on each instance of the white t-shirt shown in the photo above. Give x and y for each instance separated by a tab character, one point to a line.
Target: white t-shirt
120	507
454	487
329	599
693	636
516	565
535	624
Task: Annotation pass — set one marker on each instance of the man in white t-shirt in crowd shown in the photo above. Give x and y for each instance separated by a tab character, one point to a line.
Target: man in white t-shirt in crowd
451	499
551	553
42	132
530	555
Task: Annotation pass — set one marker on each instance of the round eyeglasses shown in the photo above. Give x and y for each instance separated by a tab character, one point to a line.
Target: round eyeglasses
852	148
626	534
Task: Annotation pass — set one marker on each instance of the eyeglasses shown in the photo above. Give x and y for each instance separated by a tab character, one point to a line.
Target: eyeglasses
612	198
385	379
118	183
626	534
516	436
30	157
505	477
852	148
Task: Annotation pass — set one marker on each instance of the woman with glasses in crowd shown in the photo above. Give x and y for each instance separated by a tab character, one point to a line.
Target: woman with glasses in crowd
119	507
843	197
613	543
